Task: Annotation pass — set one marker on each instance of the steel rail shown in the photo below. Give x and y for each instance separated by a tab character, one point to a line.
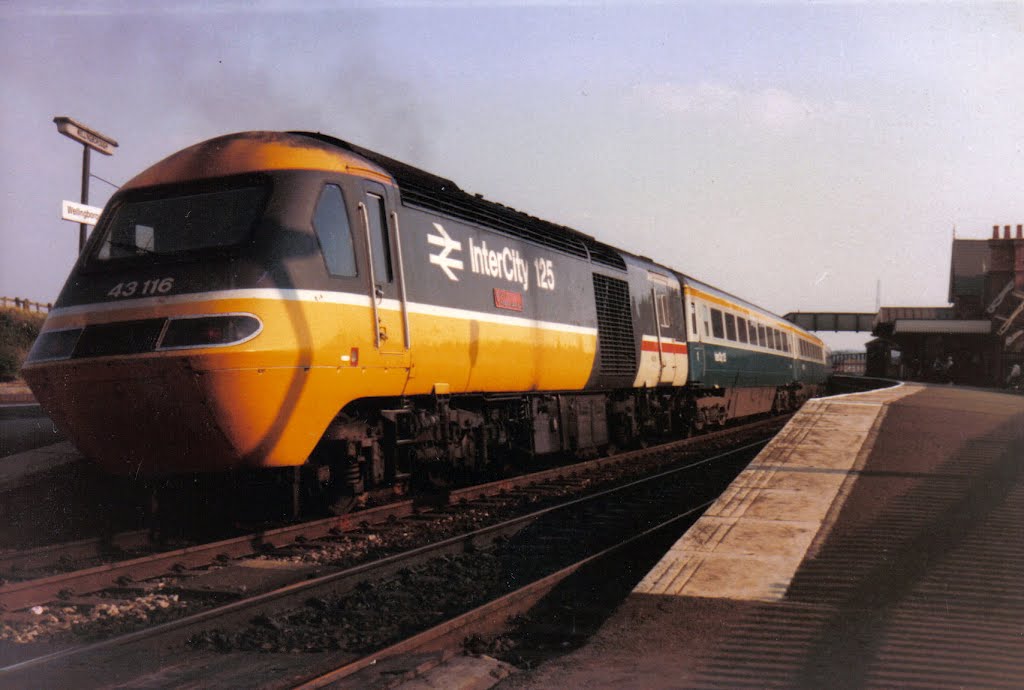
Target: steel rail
50	555
26	593
288	596
486	619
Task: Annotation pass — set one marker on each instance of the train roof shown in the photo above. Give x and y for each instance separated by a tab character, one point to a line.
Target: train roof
722	294
431	192
246	152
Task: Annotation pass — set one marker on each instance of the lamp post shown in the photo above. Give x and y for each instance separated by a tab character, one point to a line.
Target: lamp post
90	139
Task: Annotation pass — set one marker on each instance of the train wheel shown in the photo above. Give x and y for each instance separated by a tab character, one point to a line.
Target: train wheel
345	490
342	504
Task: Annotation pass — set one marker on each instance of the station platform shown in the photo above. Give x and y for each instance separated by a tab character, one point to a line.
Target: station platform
878	541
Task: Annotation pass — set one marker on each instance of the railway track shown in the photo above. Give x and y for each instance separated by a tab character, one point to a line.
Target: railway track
657	509
230	590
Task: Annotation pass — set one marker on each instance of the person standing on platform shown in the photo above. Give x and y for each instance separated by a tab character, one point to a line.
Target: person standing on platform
1013	380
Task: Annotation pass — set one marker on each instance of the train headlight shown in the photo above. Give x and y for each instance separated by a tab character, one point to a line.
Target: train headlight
209	331
53	345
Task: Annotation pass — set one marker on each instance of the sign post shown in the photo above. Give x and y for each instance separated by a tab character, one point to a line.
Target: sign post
90	139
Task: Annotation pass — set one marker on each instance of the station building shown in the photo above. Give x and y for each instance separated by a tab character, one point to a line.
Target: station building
974	341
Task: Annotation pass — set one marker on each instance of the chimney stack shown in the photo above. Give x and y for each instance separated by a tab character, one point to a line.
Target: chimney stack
1006	232
995	232
1020	232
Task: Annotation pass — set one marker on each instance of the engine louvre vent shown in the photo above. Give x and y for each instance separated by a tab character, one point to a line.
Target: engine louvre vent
614	326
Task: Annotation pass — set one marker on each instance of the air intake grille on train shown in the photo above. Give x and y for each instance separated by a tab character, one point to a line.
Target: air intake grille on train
614	326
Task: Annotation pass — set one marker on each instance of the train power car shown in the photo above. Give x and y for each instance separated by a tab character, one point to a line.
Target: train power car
290	301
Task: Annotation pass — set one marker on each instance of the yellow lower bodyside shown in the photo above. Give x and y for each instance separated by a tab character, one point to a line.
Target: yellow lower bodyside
267	402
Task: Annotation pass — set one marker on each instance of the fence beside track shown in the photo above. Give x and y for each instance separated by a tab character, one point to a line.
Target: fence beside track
25	304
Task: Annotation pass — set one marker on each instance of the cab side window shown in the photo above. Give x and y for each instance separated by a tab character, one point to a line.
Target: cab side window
379	238
332	230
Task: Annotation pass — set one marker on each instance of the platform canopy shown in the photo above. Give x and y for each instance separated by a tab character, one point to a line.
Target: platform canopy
957	327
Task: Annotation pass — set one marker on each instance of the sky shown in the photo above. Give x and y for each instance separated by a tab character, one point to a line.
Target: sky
802	156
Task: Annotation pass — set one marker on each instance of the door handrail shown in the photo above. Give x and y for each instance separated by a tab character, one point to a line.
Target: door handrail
373	279
401	281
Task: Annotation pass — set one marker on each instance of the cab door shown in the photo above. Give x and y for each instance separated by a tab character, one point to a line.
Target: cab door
389	306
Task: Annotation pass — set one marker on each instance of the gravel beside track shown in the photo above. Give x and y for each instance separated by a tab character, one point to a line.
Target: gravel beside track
140	605
397	600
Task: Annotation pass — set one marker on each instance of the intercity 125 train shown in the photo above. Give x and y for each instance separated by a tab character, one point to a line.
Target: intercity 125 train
289	300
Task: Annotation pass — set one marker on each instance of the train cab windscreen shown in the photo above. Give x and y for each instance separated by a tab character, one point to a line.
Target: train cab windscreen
171	226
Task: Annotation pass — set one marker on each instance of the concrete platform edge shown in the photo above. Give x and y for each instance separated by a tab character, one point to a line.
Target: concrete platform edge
778	511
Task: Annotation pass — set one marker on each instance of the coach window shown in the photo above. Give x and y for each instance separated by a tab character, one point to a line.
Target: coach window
330	221
730	327
707	327
717	327
379	238
741	329
693	318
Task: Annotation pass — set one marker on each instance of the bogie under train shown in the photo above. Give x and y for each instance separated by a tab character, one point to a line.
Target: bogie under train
284	300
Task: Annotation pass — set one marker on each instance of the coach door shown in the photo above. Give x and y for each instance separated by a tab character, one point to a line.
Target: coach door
697	326
390	320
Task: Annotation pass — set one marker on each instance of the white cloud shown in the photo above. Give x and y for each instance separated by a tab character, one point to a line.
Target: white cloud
769	108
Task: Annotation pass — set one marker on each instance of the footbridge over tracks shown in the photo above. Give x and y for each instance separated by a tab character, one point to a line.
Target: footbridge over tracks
855	322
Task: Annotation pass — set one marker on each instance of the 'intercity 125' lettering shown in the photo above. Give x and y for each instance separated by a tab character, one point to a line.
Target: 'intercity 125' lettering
507	263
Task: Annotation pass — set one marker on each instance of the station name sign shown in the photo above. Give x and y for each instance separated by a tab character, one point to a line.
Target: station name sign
89	137
80	213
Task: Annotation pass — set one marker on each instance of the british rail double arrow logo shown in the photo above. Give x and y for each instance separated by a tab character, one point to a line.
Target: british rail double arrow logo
448	246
